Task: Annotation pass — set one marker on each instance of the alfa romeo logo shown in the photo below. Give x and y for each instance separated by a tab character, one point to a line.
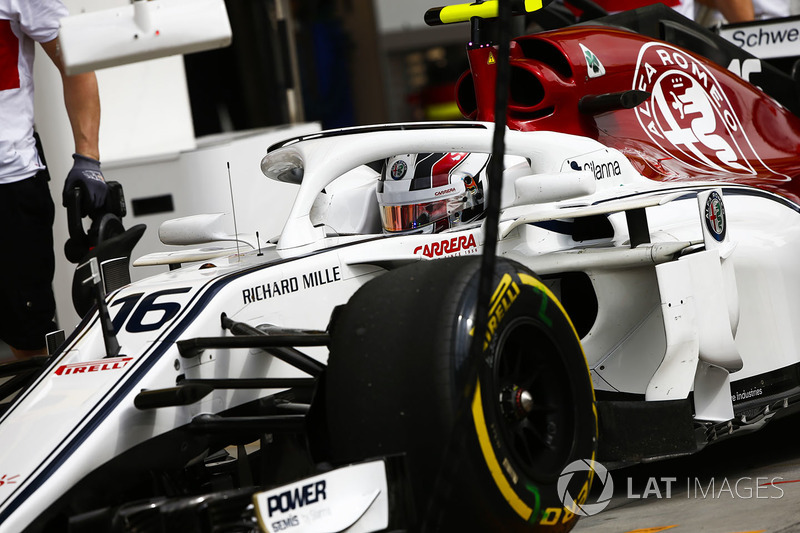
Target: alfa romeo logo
399	169
580	506
688	113
715	216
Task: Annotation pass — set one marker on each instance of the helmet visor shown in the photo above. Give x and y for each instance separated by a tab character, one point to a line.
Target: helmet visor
412	216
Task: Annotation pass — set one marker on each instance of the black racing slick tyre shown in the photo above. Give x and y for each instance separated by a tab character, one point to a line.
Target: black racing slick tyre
485	443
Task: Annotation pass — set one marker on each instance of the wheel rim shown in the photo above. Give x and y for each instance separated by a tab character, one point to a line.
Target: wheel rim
536	405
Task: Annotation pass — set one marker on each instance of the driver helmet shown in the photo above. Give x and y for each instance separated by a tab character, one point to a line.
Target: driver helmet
431	192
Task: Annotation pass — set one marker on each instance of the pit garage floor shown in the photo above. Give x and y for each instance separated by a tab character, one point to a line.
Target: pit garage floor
745	484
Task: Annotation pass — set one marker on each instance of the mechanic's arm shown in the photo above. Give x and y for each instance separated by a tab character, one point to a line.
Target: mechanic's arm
82	100
736	10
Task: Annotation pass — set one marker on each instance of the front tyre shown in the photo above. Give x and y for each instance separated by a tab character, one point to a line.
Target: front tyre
482	455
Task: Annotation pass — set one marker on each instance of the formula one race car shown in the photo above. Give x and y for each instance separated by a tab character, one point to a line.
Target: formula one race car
351	374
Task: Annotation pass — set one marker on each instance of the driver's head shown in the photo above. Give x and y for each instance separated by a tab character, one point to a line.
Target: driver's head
431	192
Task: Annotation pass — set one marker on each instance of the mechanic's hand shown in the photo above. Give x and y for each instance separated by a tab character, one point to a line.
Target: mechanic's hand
87	175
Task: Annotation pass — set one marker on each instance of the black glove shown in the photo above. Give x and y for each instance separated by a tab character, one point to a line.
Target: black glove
87	175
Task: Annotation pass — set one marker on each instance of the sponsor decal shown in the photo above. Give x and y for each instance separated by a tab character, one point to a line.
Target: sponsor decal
447	191
463	244
321	277
745	68
114	363
602	170
601	164
715	216
747	395
296	498
355	497
280	287
770	38
689	112
764	37
399	169
594	67
270	290
774	383
286	523
8	480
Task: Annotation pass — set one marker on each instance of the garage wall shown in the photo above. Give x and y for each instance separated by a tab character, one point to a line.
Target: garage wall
147	142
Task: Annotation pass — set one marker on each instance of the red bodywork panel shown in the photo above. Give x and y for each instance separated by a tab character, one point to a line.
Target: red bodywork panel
700	122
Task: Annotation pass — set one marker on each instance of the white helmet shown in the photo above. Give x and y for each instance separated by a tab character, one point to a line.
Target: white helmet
431	192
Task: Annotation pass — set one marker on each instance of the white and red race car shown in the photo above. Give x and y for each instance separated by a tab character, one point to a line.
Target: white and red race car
643	304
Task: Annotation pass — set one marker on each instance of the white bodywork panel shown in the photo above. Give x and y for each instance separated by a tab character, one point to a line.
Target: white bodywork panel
675	316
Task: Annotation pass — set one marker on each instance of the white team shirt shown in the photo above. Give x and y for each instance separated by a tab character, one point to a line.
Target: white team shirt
21	23
769	9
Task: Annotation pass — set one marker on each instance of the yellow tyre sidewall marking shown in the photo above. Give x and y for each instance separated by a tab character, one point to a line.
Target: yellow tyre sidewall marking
516	503
500	480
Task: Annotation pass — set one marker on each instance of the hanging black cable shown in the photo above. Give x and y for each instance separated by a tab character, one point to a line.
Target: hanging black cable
430	517
489	257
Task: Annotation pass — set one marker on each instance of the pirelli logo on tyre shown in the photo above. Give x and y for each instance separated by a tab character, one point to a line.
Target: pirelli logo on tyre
504	295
